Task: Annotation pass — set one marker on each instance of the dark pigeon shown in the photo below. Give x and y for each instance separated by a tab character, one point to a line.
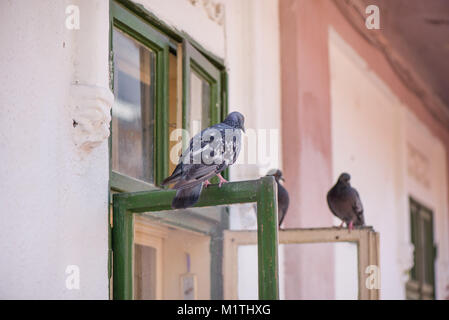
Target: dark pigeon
209	153
344	202
283	198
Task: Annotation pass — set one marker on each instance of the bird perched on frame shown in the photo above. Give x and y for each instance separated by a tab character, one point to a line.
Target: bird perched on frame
209	153
283	198
344	202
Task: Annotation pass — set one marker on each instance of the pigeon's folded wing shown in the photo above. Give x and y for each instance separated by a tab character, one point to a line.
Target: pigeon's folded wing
206	147
358	209
357	205
195	174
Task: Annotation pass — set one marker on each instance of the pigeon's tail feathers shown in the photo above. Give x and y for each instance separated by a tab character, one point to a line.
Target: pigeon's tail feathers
186	198
175	176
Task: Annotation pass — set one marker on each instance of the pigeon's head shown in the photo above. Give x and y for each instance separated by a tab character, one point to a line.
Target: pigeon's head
277	174
344	178
236	120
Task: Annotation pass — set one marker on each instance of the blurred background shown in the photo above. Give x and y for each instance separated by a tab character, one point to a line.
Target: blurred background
94	90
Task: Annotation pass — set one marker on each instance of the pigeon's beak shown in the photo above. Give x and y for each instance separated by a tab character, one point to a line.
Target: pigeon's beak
243	128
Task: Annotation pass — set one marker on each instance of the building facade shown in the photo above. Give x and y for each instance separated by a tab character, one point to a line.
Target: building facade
92	95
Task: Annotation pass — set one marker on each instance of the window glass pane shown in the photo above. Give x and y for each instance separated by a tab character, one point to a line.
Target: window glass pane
133	110
200	92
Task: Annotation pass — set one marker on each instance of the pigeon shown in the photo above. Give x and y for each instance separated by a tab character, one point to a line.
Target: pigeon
344	202
209	153
283	198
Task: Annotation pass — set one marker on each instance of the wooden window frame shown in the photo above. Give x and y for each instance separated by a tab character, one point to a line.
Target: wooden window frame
366	238
127	205
127	22
418	288
151	32
151	236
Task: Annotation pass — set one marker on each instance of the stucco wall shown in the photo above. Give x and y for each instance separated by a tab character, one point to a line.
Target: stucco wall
366	142
372	132
53	194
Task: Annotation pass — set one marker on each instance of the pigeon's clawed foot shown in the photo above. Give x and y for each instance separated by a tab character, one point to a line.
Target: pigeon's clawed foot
350	227
206	183
341	225
222	180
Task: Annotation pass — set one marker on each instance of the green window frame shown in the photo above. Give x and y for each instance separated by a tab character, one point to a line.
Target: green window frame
421	284
126	22
149	31
262	191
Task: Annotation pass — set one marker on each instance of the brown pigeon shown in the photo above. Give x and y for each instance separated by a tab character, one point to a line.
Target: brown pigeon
283	198
344	202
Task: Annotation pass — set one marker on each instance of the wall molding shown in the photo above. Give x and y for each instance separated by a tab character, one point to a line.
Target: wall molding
214	9
91	114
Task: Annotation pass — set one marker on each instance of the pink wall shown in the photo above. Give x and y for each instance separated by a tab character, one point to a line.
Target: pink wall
306	127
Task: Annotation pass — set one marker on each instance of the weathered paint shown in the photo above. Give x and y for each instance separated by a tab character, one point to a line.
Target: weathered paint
262	191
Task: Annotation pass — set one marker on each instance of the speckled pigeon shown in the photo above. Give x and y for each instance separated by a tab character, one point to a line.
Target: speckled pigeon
209	153
344	202
283	198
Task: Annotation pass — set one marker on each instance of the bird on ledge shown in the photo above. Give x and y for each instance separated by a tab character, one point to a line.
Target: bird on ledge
344	202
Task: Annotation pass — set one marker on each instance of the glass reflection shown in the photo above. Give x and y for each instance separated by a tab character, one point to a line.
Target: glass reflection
133	110
200	92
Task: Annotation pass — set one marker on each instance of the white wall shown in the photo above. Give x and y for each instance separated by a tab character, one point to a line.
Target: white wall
53	193
371	131
253	62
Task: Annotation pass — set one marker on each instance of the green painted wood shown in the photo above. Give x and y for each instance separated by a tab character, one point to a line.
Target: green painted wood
262	191
195	60
185	93
229	193
267	239
126	19
138	29
123	183
146	28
